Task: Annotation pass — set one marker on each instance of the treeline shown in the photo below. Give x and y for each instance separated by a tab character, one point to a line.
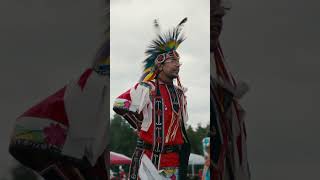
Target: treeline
124	138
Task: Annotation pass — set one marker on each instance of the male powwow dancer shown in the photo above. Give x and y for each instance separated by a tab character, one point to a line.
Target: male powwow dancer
156	108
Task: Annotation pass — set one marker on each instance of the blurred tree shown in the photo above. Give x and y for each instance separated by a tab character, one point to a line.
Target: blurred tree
123	137
195	138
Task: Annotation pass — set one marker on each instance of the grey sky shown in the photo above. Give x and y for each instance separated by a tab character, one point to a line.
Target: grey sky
131	32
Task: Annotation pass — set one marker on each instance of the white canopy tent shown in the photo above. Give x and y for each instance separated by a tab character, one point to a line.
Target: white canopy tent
195	159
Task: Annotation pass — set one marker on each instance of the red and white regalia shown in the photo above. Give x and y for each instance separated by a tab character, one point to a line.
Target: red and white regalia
160	124
158	111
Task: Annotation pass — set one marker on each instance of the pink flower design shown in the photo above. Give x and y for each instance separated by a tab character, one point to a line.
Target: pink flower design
126	105
173	177
55	134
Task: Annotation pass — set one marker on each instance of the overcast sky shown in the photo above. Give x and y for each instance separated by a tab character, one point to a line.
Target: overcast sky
272	45
132	31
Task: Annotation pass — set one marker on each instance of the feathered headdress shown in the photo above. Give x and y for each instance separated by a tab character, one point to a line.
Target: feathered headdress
101	62
161	49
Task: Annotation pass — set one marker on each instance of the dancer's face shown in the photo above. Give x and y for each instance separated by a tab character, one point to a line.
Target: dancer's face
170	68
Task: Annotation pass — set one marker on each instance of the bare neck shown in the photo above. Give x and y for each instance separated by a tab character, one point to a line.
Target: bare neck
165	79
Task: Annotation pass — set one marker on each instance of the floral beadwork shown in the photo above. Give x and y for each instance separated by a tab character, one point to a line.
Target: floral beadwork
54	134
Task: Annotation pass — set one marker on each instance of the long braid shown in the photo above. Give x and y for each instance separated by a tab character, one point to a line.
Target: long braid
179	82
157	85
